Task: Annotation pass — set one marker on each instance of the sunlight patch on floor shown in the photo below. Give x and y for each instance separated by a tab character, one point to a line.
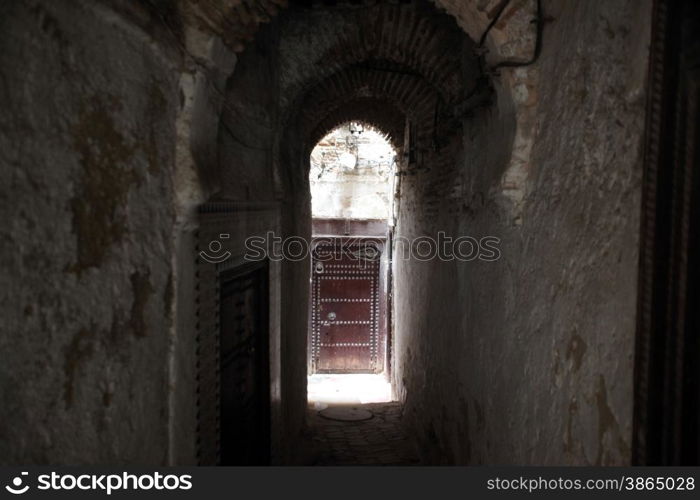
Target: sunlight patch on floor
348	388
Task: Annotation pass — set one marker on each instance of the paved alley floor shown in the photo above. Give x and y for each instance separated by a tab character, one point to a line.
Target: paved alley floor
377	441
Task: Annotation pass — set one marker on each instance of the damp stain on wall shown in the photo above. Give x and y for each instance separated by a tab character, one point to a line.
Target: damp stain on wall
104	180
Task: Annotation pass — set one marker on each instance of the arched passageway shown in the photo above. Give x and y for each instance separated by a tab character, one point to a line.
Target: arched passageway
406	68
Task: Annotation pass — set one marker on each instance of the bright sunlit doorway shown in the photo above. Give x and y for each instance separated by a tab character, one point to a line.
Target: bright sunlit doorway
352	182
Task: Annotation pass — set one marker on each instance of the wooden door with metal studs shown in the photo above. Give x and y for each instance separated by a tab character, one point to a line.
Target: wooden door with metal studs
345	333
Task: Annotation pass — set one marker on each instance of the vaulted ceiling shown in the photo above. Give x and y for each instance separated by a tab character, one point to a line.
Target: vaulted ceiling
377	61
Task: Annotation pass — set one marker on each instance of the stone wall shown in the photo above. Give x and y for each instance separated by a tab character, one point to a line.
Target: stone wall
532	361
87	138
120	122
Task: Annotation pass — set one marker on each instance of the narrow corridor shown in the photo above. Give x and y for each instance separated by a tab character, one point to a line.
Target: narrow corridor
230	221
380	440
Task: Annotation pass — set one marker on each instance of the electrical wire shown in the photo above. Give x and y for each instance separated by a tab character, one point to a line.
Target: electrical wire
495	19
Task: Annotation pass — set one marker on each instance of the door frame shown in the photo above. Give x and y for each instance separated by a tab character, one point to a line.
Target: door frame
262	356
667	358
384	287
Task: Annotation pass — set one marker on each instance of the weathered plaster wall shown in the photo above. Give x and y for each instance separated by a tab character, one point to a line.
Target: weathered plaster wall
531	362
120	122
87	138
247	128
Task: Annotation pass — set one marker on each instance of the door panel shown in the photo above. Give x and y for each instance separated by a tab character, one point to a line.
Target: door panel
344	287
345	309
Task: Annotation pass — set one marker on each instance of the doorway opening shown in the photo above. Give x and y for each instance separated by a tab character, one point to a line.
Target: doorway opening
352	182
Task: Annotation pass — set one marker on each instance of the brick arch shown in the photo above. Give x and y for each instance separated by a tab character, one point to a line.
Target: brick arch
413	39
512	38
396	93
378	114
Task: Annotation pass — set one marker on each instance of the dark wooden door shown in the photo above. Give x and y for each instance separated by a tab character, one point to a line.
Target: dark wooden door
345	307
244	362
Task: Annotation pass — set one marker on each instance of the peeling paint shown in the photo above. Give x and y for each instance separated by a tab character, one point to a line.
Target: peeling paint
609	434
80	349
575	352
142	290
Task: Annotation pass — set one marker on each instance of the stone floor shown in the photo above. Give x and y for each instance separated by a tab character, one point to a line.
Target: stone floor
377	441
